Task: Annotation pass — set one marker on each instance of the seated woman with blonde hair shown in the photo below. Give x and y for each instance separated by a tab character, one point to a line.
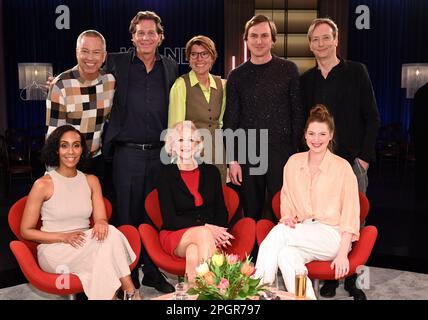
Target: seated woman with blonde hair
320	209
191	201
65	199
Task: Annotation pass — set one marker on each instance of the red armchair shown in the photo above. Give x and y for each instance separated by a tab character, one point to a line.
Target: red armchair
320	270
26	253
243	231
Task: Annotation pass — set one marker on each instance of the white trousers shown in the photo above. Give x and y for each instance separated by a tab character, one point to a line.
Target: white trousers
290	249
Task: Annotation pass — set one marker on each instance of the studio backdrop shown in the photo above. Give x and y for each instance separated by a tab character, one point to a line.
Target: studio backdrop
45	31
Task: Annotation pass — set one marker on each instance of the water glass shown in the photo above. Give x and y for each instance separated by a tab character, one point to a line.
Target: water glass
300	283
181	289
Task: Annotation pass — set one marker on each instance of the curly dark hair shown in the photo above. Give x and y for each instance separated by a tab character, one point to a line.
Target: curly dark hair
50	149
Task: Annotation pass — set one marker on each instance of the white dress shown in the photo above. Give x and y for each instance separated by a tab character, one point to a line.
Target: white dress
99	265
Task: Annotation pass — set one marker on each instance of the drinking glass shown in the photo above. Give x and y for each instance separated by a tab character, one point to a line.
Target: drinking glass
300	283
181	289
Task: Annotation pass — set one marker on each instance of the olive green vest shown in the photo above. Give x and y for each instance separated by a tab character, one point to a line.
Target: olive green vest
205	114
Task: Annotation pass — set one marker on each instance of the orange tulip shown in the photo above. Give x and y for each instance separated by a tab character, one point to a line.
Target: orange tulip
248	269
209	278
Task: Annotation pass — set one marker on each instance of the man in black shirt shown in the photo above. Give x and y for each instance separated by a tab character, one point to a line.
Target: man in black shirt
262	93
139	115
344	87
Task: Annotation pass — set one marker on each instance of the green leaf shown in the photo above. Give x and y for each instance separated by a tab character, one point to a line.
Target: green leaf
192	291
245	288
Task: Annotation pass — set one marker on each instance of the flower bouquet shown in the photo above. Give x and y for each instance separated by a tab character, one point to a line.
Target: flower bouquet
225	277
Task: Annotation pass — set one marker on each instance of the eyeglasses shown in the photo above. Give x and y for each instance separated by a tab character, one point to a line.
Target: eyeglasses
203	55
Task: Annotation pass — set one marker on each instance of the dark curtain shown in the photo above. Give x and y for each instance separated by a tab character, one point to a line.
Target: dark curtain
236	14
30	35
3	113
338	10
397	35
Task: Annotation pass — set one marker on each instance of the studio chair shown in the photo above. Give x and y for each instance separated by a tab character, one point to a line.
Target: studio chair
320	270
25	253
243	231
265	225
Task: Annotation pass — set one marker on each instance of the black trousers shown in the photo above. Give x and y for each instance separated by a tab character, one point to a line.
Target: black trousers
101	168
134	176
256	191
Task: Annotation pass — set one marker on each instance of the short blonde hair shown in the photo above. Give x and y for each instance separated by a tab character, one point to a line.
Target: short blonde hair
176	131
203	41
316	22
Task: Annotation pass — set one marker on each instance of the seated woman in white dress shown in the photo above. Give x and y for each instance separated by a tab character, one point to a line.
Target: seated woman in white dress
319	209
65	199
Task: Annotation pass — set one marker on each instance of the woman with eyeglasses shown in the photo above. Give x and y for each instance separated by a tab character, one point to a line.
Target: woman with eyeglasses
200	97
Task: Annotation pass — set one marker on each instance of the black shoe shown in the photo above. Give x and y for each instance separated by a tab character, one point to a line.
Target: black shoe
328	290
358	294
352	289
81	296
158	281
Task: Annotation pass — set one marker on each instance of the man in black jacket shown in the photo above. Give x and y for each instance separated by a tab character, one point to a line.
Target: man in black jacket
139	115
344	87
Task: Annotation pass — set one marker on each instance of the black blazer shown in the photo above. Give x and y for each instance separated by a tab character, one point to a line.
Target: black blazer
178	204
352	102
118	64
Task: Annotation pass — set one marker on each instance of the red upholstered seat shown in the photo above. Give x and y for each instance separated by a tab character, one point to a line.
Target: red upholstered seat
26	253
243	231
320	270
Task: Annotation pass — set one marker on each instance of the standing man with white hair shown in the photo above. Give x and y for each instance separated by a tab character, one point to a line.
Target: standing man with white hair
83	97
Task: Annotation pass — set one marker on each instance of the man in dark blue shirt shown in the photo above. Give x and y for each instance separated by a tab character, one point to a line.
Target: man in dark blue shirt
139	115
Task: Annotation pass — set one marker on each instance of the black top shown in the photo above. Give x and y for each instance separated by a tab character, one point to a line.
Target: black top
147	104
348	94
178	204
266	96
119	64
